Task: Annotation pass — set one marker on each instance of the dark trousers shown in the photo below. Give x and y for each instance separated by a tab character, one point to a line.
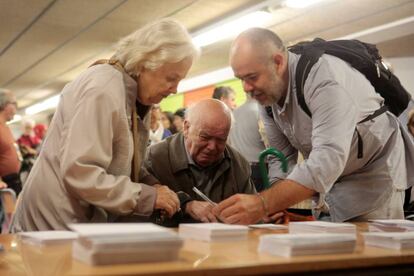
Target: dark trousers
13	182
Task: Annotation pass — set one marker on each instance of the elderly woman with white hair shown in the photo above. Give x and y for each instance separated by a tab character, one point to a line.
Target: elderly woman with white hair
89	169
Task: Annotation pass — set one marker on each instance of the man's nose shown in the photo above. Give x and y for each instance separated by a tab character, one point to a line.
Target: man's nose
247	87
211	144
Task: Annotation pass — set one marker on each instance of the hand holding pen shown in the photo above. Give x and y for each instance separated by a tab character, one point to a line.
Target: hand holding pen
201	210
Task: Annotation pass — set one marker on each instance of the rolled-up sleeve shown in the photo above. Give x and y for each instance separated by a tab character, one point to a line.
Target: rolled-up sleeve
334	118
87	153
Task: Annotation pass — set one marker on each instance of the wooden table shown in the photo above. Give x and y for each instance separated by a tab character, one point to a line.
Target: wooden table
202	258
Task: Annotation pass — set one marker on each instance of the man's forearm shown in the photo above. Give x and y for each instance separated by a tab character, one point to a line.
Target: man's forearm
284	194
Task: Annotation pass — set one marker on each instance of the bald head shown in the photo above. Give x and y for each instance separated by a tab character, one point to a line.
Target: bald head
210	112
260	60
206	129
263	42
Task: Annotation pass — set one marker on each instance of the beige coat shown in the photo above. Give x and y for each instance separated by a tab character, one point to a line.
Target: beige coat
82	173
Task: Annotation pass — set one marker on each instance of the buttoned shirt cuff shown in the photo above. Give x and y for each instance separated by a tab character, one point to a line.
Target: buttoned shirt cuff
146	201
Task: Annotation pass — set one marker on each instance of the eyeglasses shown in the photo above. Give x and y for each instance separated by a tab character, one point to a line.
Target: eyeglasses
13	103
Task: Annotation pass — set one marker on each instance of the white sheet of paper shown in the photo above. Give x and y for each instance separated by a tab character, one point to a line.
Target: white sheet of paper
270	226
46	237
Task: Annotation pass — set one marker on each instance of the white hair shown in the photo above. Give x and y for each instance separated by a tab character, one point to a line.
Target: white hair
28	122
160	42
4	98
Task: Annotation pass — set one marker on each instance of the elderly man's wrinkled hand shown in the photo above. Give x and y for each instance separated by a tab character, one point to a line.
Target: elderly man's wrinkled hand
240	209
200	210
166	200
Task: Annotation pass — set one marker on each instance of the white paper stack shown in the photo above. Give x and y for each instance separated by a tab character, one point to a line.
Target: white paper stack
390	225
268	226
287	245
321	227
48	237
116	243
213	231
392	240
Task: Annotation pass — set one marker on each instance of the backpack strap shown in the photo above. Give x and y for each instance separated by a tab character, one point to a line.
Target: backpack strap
306	61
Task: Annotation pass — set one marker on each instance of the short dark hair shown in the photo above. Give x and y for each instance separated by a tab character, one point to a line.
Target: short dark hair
222	92
180	112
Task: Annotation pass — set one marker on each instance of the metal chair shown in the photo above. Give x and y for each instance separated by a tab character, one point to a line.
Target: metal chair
8	202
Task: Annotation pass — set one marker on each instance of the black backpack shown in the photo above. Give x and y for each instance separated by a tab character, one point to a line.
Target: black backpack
366	59
362	56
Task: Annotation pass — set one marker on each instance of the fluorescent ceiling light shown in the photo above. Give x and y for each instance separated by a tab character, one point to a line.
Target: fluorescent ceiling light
49	103
232	28
206	79
300	4
16	118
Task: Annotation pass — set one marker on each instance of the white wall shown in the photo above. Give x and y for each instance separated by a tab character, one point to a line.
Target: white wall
404	70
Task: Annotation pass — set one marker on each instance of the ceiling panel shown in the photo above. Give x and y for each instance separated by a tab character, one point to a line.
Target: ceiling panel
71	34
45	38
15	16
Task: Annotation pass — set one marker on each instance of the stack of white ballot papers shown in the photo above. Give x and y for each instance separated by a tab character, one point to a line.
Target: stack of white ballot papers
321	227
287	245
390	225
48	237
116	243
213	231
392	240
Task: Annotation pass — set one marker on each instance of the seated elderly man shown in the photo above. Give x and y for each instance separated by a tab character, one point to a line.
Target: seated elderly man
199	157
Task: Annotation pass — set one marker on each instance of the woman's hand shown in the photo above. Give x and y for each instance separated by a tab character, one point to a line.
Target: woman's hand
3	185
166	200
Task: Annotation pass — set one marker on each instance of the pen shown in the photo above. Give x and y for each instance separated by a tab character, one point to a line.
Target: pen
203	196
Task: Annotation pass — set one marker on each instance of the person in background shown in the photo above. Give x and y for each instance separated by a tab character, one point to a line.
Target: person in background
349	182
179	116
247	137
40	131
157	130
199	157
89	169
28	141
225	94
29	145
10	157
167	120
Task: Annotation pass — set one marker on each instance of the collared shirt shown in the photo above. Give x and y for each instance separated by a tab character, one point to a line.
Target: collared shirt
245	134
204	177
338	97
170	163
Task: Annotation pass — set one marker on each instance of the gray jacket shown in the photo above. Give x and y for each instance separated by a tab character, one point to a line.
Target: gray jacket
169	163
